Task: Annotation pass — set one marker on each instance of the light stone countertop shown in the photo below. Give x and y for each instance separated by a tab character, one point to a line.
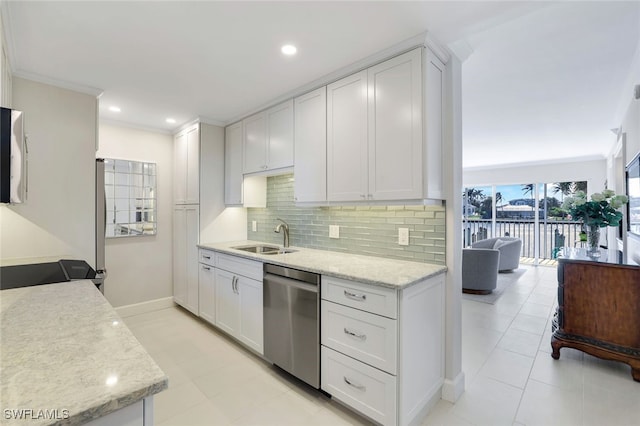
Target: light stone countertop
63	347
372	270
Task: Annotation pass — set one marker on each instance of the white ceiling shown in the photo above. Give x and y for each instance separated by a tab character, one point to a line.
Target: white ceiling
543	82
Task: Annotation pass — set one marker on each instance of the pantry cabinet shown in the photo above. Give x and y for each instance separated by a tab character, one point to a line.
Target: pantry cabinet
310	153
185	256
233	164
186	175
268	139
377	147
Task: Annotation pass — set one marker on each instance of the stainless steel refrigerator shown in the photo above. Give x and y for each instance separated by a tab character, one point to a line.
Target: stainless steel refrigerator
101	222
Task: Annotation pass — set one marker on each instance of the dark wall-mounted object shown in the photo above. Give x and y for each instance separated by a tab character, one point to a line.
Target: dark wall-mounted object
13	157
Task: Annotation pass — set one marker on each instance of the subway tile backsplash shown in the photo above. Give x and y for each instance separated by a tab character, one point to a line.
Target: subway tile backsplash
368	230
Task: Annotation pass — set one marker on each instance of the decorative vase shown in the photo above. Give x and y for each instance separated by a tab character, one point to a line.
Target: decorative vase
593	239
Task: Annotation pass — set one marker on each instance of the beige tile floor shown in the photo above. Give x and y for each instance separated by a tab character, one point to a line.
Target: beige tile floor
511	378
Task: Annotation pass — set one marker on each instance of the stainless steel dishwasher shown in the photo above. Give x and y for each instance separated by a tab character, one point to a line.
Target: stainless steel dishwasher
291	321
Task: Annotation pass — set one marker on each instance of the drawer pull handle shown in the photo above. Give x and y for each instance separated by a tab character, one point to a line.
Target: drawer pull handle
206	268
206	257
359	297
357	336
355	385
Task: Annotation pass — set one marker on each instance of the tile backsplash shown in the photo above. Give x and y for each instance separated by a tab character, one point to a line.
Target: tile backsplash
368	230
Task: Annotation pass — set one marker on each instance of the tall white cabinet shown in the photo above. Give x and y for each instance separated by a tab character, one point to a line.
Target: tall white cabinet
185	256
186	217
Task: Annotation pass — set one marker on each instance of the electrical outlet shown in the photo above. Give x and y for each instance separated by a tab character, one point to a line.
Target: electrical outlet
403	236
254	226
334	231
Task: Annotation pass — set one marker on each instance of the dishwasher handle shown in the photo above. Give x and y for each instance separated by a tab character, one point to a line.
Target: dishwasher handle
276	279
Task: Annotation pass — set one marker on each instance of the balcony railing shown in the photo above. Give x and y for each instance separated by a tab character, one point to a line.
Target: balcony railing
553	234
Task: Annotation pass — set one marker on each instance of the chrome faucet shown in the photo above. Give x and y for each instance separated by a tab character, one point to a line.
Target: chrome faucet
284	225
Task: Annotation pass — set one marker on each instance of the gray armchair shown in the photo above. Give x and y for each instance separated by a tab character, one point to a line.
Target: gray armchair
509	247
479	270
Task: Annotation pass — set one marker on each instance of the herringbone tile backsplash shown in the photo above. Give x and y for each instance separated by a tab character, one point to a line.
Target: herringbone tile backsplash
368	230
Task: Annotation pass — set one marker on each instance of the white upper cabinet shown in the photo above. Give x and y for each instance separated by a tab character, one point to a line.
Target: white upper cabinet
310	129
384	131
255	143
395	128
233	164
347	173
268	139
186	188
433	113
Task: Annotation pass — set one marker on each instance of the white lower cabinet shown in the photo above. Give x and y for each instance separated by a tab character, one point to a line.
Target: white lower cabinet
206	293
383	349
366	389
238	300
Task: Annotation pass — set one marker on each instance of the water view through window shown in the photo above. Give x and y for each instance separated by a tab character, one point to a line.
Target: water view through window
531	212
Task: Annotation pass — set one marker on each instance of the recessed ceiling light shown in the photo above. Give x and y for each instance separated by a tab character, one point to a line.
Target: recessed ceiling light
114	108
171	121
288	49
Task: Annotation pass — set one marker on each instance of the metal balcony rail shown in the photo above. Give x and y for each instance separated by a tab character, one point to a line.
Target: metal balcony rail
553	234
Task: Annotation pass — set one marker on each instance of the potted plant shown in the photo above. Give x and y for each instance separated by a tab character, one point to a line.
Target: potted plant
600	212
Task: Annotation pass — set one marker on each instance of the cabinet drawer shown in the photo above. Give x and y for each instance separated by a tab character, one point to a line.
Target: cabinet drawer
364	388
377	300
240	266
366	337
207	257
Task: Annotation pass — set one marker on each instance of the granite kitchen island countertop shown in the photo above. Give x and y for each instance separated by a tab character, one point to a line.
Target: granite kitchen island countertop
65	353
379	271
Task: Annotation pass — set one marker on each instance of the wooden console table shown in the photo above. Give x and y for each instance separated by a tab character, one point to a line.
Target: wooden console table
598	308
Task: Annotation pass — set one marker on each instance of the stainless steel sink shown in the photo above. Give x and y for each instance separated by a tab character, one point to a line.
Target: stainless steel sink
263	249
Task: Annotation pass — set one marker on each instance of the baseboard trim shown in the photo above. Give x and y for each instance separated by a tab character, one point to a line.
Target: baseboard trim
453	389
144	307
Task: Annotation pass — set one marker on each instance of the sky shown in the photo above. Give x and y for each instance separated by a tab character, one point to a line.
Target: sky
514	192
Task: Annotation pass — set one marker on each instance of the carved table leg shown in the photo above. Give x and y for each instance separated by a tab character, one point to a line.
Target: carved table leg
555	348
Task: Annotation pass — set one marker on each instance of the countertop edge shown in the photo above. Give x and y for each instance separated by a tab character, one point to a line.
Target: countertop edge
273	259
118	403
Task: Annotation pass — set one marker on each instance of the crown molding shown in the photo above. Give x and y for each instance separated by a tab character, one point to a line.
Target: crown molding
536	163
118	123
421	40
88	90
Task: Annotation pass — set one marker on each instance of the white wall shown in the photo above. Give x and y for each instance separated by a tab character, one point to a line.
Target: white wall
59	215
594	172
217	223
140	268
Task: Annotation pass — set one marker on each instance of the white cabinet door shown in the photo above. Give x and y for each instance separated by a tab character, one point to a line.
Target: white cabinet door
185	256
255	143
395	128
179	256
280	136
310	165
206	293
186	171
433	105
233	164
251	323
227	300
193	166
347	138
180	168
